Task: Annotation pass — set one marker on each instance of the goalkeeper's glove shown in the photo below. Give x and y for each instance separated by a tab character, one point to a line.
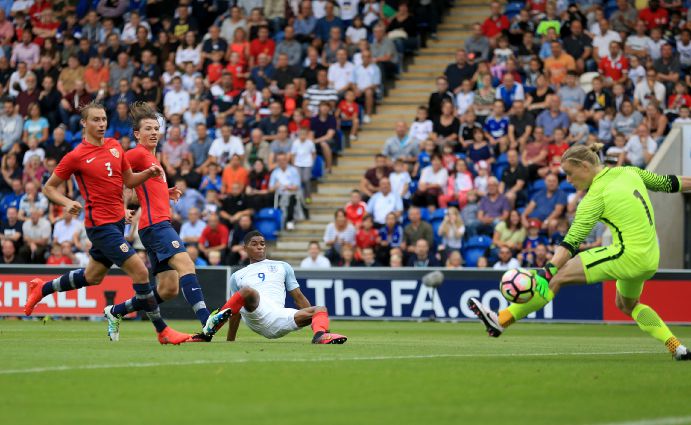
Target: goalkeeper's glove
542	277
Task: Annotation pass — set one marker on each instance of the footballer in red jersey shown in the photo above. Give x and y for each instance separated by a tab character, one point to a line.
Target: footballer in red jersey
169	260
101	169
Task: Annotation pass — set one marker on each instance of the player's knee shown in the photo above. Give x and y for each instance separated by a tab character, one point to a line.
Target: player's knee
250	295
321	308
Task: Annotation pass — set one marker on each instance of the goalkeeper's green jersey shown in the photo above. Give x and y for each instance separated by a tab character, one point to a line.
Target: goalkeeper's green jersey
618	197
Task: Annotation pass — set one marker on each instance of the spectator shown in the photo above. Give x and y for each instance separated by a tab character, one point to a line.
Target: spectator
324	126
303	154
421	256
538	258
72	103
32	199
492	208
314	258
497	128
25	51
558	64
654	15
190	198
446	128
384	202
225	147
257	149
356	209
96	75
506	260
459	71
348	258
193	252
9	253
579	46
510	91
237	253
437	98
552	118
369	259
28	96
11	126
603	40
433	180
451	232
415	230
454	261
384	53
235	205
366	82
514	179
36	233
571	95
65	228
338	233
509	233
214	237
496	24
177	100
284	75
370	182
400	179
521	124
627	120
59	254
191	230
650	89
477	44
11	229
234	173
547	205
640	147
285	180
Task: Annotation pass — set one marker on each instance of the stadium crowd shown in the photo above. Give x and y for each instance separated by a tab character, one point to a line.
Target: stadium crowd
476	179
257	98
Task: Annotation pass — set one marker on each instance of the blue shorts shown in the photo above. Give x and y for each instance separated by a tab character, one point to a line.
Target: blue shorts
109	245
161	242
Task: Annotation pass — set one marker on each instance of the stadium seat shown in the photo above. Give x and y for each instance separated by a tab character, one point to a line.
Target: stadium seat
268	221
567	187
318	168
479	242
513	9
437	218
586	80
474	248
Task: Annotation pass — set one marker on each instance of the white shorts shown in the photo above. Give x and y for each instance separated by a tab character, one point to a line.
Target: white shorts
270	320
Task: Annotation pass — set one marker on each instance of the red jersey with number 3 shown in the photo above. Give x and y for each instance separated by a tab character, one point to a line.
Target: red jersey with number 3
153	193
98	171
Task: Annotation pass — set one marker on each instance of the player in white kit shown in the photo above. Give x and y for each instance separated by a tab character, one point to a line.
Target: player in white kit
258	294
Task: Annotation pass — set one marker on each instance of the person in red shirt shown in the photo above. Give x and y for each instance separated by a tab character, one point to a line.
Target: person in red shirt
615	66
214	237
495	25
214	70
101	169
297	122
170	262
558	146
356	209
654	15
348	113
57	256
366	237
261	44
238	70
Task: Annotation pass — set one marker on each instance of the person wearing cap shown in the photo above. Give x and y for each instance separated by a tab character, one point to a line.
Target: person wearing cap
546	205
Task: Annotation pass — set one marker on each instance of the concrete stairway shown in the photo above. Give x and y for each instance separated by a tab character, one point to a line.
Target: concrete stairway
412	90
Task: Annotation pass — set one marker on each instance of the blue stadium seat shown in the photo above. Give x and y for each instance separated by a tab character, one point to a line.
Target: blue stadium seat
318	168
537	186
437	218
513	9
412	187
567	187
478	242
268	221
474	248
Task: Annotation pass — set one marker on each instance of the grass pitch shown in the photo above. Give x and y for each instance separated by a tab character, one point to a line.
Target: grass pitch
387	373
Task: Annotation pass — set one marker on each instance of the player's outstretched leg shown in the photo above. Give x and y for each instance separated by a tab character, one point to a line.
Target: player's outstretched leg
38	289
649	321
318	317
220	316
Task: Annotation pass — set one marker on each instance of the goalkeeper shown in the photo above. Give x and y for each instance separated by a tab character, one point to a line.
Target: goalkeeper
618	197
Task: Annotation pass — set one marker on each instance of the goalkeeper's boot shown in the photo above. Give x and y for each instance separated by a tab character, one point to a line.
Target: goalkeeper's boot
682	353
216	320
171	336
328	338
35	296
113	323
488	317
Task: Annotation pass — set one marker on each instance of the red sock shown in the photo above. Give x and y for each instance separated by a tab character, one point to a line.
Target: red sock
235	303
320	322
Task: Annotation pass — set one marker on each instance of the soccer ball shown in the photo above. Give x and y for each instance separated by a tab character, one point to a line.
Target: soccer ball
517	285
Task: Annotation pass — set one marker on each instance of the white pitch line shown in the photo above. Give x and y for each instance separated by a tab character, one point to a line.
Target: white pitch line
317	359
672	420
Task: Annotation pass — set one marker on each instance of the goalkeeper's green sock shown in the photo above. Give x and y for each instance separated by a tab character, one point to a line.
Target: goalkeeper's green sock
518	311
650	322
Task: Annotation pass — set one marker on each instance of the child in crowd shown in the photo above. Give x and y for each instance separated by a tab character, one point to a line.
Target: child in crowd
348	114
303	153
422	126
400	179
579	130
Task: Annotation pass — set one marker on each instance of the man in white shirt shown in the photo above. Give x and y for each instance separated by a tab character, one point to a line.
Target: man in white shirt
637	44
640	147
367	80
192	229
433	179
601	42
384	202
224	147
258	295
647	90
506	260
315	259
66	228
285	180
176	101
341	73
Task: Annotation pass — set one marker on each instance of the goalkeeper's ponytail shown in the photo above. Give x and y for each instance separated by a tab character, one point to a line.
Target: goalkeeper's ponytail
583	153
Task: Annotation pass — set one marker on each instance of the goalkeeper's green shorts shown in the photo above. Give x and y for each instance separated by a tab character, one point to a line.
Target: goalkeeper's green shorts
613	262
